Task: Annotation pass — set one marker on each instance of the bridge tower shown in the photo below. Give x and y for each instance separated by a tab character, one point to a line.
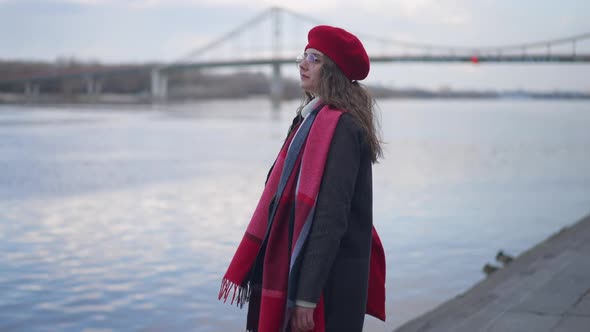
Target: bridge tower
32	90
276	87
159	85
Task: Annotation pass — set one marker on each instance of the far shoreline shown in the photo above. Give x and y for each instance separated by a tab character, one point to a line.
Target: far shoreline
414	94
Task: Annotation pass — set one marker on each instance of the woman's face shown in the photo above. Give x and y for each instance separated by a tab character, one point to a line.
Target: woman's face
310	66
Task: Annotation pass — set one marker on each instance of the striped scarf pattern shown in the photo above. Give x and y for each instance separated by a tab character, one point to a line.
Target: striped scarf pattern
264	269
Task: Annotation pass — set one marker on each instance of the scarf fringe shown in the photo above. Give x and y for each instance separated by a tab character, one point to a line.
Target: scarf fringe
240	294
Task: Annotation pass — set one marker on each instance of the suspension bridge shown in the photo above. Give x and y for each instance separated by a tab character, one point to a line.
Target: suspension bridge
275	37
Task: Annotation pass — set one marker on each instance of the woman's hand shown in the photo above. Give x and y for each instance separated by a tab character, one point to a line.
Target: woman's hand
302	319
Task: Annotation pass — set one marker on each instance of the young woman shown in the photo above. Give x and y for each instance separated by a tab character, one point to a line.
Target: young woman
310	259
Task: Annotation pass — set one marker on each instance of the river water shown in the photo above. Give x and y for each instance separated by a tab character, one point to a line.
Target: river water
120	218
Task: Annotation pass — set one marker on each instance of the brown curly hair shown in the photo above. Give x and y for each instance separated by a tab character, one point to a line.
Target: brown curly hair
337	91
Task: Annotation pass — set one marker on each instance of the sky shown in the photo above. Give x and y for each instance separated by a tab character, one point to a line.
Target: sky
134	31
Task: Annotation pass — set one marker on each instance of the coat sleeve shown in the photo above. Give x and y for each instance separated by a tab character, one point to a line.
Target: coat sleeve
332	210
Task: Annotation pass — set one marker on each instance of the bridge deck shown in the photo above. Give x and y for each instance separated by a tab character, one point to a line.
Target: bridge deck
531	58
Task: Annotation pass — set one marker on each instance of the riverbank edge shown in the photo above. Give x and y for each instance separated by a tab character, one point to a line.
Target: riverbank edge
476	308
116	99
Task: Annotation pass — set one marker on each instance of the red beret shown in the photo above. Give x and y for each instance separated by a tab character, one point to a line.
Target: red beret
342	47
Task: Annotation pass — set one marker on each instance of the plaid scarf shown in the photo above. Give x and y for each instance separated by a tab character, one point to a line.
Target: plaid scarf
264	269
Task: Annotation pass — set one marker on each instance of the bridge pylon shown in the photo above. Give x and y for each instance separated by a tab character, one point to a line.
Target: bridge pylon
276	84
32	91
159	85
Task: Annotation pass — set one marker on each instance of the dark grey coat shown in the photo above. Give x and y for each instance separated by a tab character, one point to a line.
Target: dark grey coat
337	253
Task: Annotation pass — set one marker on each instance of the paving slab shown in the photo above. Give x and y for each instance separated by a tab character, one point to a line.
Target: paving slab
545	289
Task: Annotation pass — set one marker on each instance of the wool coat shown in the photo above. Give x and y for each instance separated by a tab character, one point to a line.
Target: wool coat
336	256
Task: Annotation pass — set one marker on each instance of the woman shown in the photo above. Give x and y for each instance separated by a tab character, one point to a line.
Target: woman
310	259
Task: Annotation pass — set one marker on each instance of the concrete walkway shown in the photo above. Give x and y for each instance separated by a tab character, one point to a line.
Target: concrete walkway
546	289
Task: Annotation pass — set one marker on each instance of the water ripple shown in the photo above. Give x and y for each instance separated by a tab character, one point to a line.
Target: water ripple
127	221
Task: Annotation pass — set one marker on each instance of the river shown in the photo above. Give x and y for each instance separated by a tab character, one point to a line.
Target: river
124	218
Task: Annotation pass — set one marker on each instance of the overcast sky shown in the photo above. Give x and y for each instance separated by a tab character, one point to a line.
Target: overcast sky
165	30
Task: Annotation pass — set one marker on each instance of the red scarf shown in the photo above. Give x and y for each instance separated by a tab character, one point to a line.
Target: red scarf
268	305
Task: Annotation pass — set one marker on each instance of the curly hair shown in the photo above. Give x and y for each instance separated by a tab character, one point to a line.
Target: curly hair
337	91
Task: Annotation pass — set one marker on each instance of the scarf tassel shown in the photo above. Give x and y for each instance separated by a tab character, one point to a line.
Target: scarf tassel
240	293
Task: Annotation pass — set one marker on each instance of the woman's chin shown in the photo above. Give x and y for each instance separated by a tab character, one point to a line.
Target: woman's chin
305	87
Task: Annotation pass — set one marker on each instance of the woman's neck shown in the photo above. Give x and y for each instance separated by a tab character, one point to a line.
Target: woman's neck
309	107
